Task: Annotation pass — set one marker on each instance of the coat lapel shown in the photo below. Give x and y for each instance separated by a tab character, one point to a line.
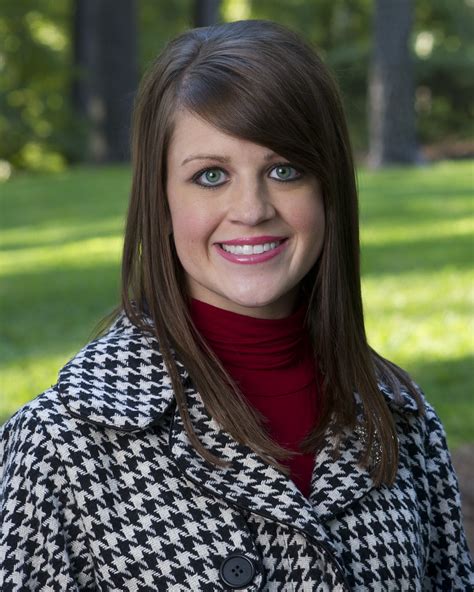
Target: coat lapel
338	480
249	483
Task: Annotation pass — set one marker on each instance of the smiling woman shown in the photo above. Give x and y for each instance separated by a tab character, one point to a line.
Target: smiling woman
232	428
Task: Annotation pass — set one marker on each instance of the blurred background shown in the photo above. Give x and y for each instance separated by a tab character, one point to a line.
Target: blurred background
68	74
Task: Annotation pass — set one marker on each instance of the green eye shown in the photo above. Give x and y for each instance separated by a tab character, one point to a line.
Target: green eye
209	177
286	172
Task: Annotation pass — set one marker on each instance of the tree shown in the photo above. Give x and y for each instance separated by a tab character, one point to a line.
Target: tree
105	51
206	12
391	86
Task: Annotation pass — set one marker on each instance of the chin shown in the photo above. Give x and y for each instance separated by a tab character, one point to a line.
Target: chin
254	301
265	306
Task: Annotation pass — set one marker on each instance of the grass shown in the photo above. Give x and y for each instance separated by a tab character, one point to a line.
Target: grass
59	273
417	254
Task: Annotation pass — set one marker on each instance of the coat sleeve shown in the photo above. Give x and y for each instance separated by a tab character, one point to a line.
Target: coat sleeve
34	545
449	565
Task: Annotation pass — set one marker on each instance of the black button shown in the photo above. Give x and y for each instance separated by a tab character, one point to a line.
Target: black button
237	571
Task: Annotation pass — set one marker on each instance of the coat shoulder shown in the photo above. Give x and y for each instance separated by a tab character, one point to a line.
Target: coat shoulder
30	431
401	399
44	409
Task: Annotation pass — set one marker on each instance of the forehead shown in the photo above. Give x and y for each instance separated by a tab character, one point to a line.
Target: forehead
193	135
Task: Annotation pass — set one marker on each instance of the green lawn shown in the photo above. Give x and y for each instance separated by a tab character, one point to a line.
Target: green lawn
61	239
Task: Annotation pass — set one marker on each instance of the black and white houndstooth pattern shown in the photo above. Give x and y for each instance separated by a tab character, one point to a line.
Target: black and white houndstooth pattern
102	490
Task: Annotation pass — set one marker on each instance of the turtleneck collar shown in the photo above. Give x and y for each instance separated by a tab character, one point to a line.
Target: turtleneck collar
256	350
248	341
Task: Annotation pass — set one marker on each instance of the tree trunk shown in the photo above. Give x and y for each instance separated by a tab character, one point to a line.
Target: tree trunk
206	12
391	86
105	52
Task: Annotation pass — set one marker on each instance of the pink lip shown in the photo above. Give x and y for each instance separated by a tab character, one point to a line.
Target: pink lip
253	240
251	259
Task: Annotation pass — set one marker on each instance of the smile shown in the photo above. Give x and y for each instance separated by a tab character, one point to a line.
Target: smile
250	249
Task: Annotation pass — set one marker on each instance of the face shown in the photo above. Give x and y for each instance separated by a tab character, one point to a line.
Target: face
247	225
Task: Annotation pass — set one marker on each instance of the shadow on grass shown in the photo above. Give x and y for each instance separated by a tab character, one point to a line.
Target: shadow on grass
417	255
402	212
448	386
59	309
83	194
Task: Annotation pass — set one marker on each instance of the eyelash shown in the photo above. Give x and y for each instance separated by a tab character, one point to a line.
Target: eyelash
275	166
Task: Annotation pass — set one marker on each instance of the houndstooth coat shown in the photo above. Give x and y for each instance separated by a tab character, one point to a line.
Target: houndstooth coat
102	490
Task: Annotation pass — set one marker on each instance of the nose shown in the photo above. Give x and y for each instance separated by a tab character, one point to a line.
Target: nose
251	204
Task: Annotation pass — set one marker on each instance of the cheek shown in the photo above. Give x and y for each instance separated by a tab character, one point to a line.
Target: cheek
309	222
192	229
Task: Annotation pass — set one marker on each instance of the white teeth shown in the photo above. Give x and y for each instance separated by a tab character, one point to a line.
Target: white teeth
250	249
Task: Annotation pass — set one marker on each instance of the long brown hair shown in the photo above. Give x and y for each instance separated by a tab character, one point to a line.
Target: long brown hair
259	81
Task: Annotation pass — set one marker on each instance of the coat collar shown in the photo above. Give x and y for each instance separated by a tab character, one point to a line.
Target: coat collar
120	381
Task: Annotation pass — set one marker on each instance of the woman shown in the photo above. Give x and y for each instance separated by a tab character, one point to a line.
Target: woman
233	429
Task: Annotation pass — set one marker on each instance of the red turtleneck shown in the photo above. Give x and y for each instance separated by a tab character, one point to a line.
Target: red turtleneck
272	363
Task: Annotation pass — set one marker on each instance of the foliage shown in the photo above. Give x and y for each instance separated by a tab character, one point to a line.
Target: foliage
159	22
445	85
61	241
37	130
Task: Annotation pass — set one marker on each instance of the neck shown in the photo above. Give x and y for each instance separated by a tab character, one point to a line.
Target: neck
279	309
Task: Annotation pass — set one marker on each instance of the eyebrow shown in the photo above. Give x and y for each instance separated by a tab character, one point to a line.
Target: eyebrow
225	159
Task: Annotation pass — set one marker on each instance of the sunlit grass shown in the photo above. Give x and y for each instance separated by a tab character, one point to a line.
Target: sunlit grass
417	230
409	324
74	254
50	234
59	274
